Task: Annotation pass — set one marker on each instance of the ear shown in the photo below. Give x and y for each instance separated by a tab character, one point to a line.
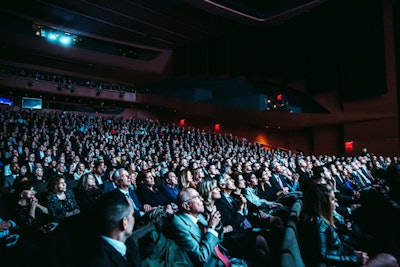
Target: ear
186	206
123	223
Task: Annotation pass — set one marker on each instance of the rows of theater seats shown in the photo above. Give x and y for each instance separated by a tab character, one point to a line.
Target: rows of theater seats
290	253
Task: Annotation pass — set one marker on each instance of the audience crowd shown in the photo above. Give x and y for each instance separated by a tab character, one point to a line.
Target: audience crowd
75	185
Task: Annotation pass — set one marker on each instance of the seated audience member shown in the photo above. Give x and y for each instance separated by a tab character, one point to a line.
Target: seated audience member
98	173
122	180
36	227
8	181
147	191
112	246
61	201
80	169
7	167
87	192
323	175
319	241
39	181
198	175
291	179
61	171
133	176
198	236
266	189
109	184
378	171
277	178
186	179
11	250
262	210
344	194
23	172
239	239
304	173
170	186
393	181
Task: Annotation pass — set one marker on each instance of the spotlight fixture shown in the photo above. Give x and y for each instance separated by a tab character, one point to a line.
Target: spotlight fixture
56	36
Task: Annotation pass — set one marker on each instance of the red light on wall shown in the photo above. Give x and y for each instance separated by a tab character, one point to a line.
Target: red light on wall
279	97
182	122
217	127
348	146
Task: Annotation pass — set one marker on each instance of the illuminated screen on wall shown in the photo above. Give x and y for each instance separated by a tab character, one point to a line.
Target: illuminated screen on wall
6	101
31	103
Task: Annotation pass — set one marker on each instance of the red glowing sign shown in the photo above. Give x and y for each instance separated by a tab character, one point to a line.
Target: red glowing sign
217	127
348	146
279	97
182	122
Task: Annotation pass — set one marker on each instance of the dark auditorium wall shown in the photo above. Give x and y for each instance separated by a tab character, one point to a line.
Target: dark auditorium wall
370	121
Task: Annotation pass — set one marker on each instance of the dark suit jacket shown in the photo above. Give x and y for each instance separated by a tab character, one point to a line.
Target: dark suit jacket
269	192
138	207
229	213
198	245
102	254
274	181
153	198
345	194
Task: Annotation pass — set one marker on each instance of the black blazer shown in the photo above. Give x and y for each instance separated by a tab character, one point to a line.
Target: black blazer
344	195
229	213
102	254
269	192
320	244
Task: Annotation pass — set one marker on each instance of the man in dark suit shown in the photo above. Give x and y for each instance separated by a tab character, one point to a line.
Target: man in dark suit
30	165
123	181
195	234
231	213
345	195
112	246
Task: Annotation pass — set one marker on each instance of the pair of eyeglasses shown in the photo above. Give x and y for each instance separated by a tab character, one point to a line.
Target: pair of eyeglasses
197	196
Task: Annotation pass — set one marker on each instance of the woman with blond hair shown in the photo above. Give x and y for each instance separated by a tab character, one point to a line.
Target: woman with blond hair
186	179
241	243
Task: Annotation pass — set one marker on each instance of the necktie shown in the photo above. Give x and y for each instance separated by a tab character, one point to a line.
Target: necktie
340	178
361	180
230	200
247	224
280	182
364	175
131	200
225	260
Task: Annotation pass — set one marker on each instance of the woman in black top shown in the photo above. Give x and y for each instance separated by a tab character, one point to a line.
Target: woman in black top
319	240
